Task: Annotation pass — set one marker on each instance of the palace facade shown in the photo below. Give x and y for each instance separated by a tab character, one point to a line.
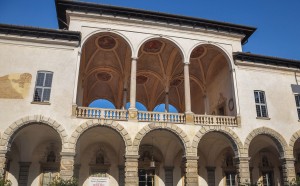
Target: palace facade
228	117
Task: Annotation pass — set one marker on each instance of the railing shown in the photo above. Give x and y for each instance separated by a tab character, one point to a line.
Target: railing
161	117
215	120
146	116
99	113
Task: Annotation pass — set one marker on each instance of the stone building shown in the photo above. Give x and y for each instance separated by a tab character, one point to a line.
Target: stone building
228	117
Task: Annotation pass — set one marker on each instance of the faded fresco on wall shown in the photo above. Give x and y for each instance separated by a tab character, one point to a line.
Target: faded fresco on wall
15	86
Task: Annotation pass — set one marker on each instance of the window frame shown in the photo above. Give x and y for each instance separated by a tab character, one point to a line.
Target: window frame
43	87
260	104
297	104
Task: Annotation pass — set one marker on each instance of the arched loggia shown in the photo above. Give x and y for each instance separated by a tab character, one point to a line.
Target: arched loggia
104	69
212	88
160	74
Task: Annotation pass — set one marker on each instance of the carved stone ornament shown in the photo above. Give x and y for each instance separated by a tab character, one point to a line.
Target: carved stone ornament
153	46
107	42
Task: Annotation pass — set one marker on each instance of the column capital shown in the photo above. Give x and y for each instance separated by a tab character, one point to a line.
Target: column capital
68	154
134	58
190	157
131	156
285	159
186	62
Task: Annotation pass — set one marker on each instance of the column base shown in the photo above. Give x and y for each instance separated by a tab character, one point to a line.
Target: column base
132	114
189	118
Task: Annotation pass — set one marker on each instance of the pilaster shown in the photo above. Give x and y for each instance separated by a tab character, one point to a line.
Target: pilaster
191	170
67	165
131	170
243	171
288	170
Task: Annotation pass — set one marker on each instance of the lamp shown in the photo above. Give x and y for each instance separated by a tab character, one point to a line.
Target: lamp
152	162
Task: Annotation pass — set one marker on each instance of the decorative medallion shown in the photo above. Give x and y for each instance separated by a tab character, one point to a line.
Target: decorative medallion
107	42
197	52
141	79
231	104
176	82
104	76
153	46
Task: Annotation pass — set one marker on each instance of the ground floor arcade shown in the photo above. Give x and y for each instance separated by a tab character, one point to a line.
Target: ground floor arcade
159	154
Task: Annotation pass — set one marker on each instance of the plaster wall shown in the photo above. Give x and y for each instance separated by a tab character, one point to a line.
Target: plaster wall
280	100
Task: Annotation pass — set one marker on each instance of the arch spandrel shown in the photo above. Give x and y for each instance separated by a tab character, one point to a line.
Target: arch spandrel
13	129
230	135
119	129
177	131
280	142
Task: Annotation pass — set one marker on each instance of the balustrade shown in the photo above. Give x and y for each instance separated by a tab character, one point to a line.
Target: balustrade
99	113
215	120
146	116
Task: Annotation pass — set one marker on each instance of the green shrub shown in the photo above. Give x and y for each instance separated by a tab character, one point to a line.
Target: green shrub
4	182
62	182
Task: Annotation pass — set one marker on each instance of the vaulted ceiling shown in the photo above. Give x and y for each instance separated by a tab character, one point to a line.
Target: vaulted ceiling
106	63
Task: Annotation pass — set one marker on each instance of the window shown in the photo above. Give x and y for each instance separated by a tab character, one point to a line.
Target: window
297	99
43	86
260	103
230	179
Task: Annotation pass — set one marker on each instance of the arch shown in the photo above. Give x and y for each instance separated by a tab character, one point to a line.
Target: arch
293	139
160	126
181	50
99	123
229	134
275	136
218	47
87	37
101	103
12	130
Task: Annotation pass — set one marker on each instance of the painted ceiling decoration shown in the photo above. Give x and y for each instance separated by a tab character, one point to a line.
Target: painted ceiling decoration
104	76
198	52
159	69
107	42
153	46
141	79
176	82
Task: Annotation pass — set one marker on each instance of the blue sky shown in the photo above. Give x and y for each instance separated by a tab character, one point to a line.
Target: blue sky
278	21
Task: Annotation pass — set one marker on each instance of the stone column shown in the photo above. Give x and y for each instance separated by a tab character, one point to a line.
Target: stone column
124	98
187	94
288	170
242	170
67	165
206	105
191	170
131	170
132	109
167	102
3	161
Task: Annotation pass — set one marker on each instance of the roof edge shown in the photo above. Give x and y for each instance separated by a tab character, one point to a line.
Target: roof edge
63	5
40	32
267	60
